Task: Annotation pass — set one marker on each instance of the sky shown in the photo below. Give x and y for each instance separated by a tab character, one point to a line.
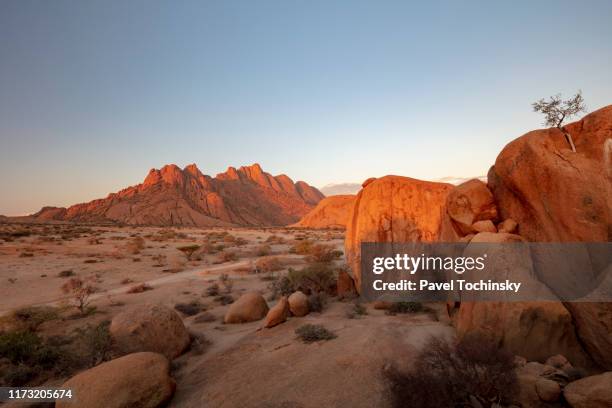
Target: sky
95	93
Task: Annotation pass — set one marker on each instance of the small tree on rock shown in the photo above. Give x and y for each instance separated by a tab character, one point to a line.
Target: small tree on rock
557	110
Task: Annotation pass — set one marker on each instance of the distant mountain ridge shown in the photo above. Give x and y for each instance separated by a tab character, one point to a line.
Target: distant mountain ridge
353	188
247	196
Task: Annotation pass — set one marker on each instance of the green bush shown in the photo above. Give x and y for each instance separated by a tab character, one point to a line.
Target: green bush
96	342
26	347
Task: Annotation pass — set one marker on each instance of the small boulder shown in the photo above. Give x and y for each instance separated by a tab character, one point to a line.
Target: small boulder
249	307
509	226
590	392
278	314
382	305
298	304
134	380
470	202
484	226
548	390
560	362
149	327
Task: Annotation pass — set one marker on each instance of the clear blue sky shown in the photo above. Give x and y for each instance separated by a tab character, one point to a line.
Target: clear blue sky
95	93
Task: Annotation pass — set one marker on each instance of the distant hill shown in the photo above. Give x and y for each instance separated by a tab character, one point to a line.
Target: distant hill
247	196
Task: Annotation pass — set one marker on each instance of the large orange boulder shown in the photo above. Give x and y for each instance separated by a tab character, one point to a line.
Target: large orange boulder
136	380
394	209
149	327
534	330
556	195
278	313
331	212
469	203
590	392
248	308
553	194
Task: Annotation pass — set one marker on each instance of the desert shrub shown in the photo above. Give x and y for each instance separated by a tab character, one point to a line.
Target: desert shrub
207	248
31	317
280	286
79	292
358	309
96	342
317	302
199	343
302	247
26	255
135	245
164	235
263	250
275	239
309	333
240	242
269	264
213	290
405	307
450	374
189	309
65	274
323	253
141	287
224	299
19	375
229	238
227	256
188	250
26	347
226	282
313	278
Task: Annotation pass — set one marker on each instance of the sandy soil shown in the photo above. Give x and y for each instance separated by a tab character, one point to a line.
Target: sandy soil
239	365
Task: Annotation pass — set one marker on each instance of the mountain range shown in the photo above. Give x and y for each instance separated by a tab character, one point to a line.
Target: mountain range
247	196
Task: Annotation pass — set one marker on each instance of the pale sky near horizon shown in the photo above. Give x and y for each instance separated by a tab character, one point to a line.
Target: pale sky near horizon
95	93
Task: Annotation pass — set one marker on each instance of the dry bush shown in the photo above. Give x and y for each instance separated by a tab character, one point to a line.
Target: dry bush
263	250
302	247
135	245
312	279
79	291
189	309
213	290
269	264
141	287
189	250
226	282
65	274
94	343
227	256
454	374
31	317
275	239
26	355
405	307
317	302
309	333
323	253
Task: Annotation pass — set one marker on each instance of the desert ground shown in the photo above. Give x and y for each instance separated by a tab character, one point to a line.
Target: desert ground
226	365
